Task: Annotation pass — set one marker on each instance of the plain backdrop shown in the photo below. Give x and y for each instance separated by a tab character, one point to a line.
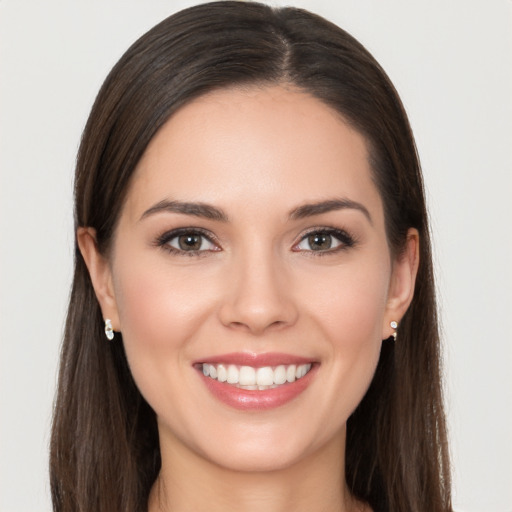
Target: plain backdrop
451	61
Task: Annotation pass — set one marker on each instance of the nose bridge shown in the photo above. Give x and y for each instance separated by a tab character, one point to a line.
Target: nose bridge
259	295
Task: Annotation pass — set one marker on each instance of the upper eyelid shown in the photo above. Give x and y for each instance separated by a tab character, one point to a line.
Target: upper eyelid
173	233
345	237
193	229
324	229
315	229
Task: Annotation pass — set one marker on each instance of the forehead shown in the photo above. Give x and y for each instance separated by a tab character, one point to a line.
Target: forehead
260	143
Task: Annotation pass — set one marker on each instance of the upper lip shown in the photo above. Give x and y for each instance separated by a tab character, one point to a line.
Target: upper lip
256	360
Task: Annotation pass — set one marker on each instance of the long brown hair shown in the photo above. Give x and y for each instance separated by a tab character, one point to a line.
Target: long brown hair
104	446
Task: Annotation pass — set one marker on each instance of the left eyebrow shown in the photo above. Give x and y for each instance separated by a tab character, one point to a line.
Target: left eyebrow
203	210
310	209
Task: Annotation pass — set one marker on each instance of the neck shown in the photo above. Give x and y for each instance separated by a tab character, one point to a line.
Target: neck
188	481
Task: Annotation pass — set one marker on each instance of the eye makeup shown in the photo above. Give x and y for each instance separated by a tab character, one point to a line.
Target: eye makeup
188	241
195	241
324	241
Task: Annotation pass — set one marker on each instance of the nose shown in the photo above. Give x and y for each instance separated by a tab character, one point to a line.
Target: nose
259	295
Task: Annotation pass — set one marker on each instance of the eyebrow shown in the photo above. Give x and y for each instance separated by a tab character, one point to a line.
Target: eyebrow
208	211
310	209
203	210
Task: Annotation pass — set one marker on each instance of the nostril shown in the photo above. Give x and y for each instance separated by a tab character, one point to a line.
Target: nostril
239	325
257	327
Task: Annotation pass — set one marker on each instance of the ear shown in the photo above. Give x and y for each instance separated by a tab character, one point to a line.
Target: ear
101	274
402	283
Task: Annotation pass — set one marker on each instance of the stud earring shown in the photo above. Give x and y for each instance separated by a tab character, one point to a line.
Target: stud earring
394	325
109	332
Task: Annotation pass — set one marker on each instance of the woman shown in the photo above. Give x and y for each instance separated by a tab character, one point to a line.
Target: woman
252	239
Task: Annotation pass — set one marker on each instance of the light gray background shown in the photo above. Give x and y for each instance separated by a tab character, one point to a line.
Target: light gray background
451	62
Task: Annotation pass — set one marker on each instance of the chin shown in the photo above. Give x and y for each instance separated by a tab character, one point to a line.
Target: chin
268	447
257	457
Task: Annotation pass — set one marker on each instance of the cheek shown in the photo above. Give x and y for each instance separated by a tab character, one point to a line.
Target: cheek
349	313
351	302
157	304
160	312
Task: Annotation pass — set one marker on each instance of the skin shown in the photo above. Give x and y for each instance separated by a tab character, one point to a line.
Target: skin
258	286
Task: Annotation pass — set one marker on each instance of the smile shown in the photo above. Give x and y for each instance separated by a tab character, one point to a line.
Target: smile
252	378
256	382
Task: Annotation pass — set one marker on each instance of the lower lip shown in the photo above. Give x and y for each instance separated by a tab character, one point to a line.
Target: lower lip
253	400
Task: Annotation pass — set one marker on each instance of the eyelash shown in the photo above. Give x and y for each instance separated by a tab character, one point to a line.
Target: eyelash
346	241
164	239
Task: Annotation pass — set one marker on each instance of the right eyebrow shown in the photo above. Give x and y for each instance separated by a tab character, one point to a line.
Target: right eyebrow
311	209
204	210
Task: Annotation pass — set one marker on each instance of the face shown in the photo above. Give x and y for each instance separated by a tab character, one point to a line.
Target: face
252	248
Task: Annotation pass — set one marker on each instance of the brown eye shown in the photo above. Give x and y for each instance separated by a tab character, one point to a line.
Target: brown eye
325	240
190	242
320	241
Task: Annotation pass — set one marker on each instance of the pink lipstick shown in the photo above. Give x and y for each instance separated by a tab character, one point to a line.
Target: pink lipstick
249	381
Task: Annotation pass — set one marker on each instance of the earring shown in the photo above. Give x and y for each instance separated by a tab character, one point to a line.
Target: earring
394	325
109	332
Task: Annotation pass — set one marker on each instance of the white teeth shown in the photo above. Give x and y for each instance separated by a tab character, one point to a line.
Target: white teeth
302	370
248	377
280	375
233	374
222	373
265	376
